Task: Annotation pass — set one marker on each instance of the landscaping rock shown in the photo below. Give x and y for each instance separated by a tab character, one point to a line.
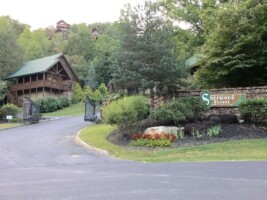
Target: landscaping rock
161	130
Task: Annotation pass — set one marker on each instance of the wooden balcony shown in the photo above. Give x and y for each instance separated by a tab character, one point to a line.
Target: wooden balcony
39	84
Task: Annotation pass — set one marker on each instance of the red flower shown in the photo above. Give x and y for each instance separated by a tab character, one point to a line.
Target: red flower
173	137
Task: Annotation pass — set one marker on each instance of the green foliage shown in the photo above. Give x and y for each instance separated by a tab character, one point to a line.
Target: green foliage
214	131
146	58
3	88
235	47
78	94
126	111
97	95
34	43
197	134
11	54
97	136
103	90
196	105
88	91
162	142
80	42
9	109
180	110
254	110
180	134
63	102
48	104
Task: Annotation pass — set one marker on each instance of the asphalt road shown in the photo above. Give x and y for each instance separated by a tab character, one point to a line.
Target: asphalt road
42	162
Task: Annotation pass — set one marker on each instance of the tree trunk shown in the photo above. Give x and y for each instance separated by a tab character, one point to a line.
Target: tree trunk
152	96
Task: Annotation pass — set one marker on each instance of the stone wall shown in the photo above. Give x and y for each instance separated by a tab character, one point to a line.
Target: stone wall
251	93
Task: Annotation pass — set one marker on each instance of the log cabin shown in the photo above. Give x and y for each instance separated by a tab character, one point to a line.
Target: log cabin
45	77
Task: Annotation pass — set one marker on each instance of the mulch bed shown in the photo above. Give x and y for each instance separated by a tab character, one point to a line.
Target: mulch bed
229	132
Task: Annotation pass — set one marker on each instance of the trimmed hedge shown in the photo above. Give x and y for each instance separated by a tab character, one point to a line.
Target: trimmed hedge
254	110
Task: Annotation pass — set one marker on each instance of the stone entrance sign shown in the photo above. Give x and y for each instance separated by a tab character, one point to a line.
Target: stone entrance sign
222	100
227	100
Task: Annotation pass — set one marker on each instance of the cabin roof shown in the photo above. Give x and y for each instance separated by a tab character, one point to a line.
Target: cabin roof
40	65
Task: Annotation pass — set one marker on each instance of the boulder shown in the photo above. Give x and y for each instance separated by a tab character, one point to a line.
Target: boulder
152	131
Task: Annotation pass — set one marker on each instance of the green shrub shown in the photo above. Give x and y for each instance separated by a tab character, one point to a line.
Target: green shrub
167	115
196	106
180	110
103	90
214	131
63	102
126	111
78	94
74	100
48	104
254	110
162	142
9	109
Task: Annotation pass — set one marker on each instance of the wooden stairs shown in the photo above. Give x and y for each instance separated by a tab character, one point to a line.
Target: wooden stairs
14	98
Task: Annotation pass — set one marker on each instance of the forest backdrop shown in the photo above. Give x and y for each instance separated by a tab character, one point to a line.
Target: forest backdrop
148	46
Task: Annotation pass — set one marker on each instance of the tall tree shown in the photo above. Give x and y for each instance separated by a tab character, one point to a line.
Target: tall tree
80	49
146	58
236	47
11	54
34	43
80	42
106	44
189	13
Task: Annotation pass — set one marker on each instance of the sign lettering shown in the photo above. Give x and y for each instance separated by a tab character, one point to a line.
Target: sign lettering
222	100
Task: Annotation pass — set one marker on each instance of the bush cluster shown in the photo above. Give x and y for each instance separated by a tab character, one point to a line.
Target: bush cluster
126	111
9	109
186	109
50	104
254	110
79	93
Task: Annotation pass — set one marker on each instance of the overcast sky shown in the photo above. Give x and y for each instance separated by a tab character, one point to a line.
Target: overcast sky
44	13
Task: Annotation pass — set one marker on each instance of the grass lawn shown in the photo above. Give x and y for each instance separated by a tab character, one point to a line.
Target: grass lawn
9	125
227	151
73	110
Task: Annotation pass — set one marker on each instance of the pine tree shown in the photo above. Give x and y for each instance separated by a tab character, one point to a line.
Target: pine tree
146	57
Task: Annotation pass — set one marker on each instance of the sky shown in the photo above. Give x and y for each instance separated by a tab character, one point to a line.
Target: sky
44	13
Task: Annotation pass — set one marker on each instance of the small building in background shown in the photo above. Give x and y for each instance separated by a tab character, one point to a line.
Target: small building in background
62	26
50	76
193	64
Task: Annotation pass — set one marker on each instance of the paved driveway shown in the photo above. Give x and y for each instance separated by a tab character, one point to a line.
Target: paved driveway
42	162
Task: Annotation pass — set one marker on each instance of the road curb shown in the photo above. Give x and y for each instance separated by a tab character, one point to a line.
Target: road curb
94	149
